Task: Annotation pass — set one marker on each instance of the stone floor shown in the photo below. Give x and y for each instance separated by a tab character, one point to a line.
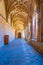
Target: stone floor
19	52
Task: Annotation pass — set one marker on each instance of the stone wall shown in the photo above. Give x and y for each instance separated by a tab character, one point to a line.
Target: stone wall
5	29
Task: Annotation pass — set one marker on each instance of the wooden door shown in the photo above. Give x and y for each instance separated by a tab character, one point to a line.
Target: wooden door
19	35
6	39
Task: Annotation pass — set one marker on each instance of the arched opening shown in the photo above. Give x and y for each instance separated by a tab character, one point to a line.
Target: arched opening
19	29
19	35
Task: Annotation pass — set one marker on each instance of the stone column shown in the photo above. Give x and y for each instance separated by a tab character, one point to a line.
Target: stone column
39	31
15	34
30	30
41	19
39	22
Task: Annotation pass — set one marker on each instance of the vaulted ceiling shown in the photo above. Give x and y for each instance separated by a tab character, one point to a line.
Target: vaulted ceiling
26	5
20	9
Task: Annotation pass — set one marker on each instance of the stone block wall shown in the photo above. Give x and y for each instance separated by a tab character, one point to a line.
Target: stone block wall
5	29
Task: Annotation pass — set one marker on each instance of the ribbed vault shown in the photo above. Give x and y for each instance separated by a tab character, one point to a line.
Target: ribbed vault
21	10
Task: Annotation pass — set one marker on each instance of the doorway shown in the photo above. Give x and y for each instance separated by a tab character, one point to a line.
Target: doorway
19	34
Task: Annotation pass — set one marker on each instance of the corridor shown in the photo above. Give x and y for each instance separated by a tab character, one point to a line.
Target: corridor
19	52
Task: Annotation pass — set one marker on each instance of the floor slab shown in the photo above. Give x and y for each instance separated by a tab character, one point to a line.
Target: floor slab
19	52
